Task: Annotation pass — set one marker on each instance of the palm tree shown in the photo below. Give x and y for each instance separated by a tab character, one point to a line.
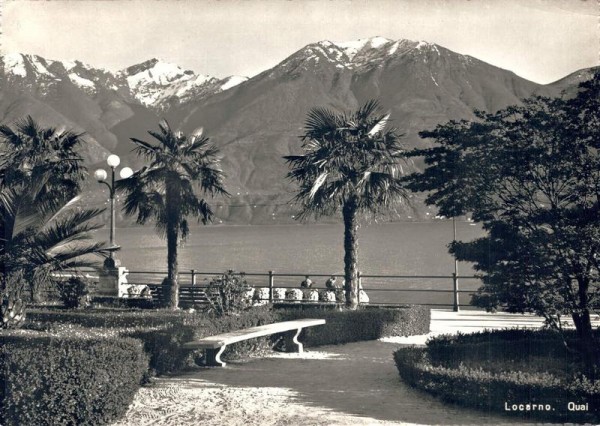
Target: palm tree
40	171
43	159
40	240
169	189
350	163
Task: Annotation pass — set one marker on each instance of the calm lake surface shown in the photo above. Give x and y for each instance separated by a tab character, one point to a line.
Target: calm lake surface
384	249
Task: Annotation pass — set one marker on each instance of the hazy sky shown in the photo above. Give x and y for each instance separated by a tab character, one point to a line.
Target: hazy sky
542	40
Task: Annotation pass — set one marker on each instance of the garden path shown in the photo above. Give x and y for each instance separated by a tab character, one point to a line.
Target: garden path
351	384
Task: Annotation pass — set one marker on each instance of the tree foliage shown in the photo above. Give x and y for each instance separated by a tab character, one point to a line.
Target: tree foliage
181	170
351	163
42	159
229	293
530	175
42	227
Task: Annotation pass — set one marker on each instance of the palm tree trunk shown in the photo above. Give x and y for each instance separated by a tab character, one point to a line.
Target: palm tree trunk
171	293
172	290
349	212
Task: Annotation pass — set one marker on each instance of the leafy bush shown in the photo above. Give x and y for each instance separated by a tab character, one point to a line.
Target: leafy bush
67	378
229	293
73	292
368	323
497	369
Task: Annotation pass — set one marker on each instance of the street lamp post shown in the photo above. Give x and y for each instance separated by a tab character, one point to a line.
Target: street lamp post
455	274
113	161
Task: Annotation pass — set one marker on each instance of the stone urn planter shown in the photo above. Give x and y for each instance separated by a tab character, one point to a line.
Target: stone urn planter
261	296
279	294
311	295
294	295
327	296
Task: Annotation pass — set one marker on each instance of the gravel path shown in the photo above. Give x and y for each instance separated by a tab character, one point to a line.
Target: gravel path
352	384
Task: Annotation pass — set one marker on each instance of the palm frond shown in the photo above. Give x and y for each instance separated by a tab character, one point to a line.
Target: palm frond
379	125
367	110
321	122
317	184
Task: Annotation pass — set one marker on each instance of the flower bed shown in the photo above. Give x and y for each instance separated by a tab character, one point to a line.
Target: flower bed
522	373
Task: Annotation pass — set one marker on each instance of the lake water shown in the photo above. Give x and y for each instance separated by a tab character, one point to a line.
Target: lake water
410	249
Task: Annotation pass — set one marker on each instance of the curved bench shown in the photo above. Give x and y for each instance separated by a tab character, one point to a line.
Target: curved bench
215	345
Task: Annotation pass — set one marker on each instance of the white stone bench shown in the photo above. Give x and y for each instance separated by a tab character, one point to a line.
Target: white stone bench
215	345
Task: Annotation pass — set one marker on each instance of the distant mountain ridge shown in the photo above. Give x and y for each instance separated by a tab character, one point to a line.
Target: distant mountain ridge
153	83
256	121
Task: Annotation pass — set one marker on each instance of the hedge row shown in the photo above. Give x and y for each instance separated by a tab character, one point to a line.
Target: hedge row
501	346
116	318
498	392
367	323
67	379
163	332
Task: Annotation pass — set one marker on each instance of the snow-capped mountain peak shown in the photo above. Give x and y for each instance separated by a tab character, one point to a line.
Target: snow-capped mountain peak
14	63
351	48
36	74
352	55
161	73
159	84
21	65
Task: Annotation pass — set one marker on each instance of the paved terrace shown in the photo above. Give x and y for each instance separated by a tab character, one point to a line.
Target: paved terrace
352	384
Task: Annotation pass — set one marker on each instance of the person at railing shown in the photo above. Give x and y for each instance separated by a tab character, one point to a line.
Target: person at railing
307	283
330	284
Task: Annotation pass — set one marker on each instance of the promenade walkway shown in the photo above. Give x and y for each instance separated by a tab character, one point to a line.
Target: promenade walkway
352	384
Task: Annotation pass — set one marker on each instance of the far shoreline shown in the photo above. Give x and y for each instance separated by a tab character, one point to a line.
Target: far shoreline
311	224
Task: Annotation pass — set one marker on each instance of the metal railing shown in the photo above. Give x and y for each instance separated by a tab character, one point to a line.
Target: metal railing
374	285
381	289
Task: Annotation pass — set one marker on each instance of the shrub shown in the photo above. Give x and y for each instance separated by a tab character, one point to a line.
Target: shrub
114	318
73	292
506	350
367	323
67	378
437	370
229	293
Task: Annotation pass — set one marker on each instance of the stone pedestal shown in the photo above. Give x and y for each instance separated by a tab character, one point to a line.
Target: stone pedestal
108	280
112	279
124	287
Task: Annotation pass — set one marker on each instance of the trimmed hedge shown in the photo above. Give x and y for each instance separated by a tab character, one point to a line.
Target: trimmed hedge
439	370
69	378
163	332
115	317
505	345
365	323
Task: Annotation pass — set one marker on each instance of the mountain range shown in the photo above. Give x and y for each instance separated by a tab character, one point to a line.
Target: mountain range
255	121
